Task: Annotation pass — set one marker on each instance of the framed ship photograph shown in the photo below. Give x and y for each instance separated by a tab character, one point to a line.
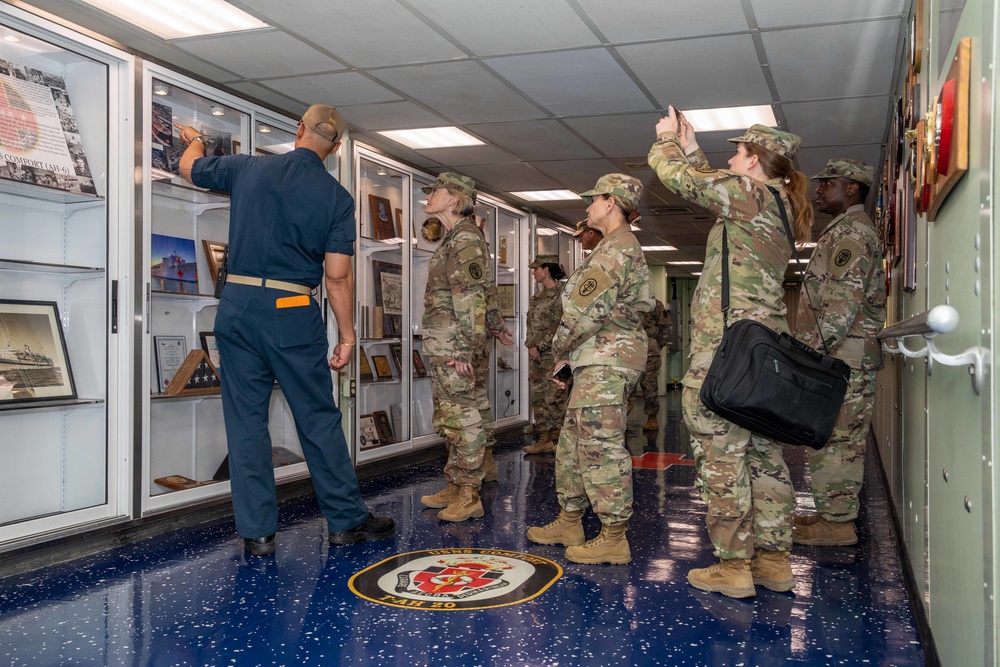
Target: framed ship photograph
173	265
34	363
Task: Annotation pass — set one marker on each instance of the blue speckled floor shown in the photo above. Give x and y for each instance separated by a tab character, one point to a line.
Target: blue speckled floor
193	598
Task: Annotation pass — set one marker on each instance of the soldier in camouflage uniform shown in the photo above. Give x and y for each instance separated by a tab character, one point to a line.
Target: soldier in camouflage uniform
459	308
659	330
601	337
548	400
845	293
742	476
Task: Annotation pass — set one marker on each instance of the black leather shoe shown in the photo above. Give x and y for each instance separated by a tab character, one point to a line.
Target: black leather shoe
260	546
373	528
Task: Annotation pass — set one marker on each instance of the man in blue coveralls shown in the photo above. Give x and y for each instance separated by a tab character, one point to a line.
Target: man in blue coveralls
291	223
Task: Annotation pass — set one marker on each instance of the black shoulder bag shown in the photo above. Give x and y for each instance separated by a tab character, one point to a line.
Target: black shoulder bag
770	383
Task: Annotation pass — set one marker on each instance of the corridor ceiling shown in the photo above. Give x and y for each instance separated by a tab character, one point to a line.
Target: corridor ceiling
561	91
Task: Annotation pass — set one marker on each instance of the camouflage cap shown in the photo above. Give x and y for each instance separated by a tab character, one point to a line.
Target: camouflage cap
543	259
785	144
581	227
853	170
319	114
456	182
627	189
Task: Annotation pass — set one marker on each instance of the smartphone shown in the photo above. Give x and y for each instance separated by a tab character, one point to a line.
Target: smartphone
563	373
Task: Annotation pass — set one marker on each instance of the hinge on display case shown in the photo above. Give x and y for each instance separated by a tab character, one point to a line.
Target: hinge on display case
114	306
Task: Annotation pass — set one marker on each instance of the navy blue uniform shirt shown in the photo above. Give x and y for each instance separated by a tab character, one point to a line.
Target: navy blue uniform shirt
286	212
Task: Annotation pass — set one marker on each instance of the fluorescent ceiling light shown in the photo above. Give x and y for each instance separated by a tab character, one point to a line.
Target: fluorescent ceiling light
696	273
730	118
684	263
798	261
172	19
432	137
658	247
546	195
545	231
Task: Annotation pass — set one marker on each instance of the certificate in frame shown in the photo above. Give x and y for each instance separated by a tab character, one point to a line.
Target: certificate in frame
171	351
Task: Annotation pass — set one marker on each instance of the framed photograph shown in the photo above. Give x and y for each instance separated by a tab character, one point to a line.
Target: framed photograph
382	368
368	432
364	369
383	426
211	348
399	222
173	264
508	297
419	370
171	351
383	227
388	284
215	252
397	356
34	363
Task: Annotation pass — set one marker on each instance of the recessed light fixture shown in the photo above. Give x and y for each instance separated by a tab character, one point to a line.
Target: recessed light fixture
696	273
652	248
730	118
11	38
545	231
218	110
432	137
381	171
172	19
684	263
264	129
160	88
546	195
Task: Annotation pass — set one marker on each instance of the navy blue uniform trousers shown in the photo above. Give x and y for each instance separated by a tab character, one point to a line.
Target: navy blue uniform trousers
260	343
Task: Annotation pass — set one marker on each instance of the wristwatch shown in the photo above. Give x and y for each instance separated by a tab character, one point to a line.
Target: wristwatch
200	138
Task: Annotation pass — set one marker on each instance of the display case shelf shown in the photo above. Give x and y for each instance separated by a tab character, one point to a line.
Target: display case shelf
189	194
50	405
44	267
49	194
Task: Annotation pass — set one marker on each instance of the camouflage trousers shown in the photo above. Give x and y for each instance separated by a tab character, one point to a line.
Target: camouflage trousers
481	361
744	481
837	470
592	464
650	383
459	420
548	401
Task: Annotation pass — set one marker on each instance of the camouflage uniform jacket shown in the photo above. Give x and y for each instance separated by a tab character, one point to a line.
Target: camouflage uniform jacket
603	303
544	314
460	289
658	328
759	249
846	290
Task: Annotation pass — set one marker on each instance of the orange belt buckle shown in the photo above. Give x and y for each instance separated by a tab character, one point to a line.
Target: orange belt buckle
292	301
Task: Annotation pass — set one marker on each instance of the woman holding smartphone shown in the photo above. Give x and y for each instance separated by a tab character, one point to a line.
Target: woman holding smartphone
601	339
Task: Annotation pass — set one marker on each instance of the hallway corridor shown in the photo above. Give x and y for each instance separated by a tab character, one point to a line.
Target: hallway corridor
193	598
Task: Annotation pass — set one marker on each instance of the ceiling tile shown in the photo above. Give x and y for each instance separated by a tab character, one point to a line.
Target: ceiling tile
576	175
539	25
363	34
729	63
339	89
509	176
390	116
775	13
465	91
618	136
465	155
239	53
392	149
290	106
803	61
535	140
656	19
856	120
565	82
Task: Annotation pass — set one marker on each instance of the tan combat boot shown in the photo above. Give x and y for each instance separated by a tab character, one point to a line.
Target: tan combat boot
610	546
543	445
825	533
442	498
566	530
651	424
465	506
730	576
806	519
490	472
771	570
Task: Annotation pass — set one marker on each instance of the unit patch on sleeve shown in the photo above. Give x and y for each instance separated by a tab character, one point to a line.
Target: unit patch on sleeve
455	579
844	256
591	285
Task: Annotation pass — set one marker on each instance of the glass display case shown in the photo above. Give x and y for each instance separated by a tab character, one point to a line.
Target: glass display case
64	170
187	231
396	241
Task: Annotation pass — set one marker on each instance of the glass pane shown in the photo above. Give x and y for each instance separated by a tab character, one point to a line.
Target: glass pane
508	358
426	237
385	368
269	139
